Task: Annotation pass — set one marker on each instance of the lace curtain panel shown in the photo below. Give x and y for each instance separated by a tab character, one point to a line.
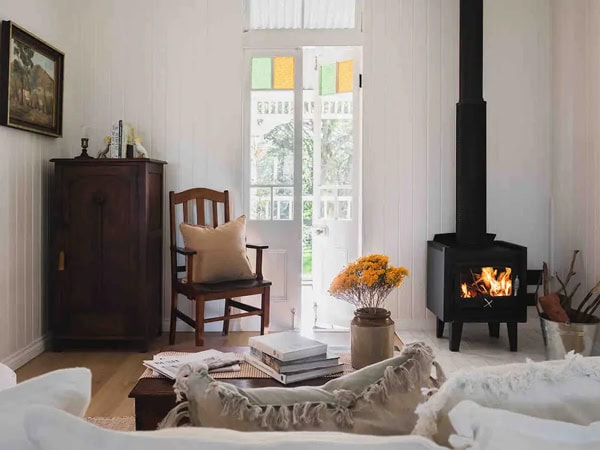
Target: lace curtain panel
298	14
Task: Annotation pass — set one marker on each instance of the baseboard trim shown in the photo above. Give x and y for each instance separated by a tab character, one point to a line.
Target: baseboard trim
26	354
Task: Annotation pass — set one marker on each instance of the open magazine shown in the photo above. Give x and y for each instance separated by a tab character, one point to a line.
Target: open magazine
217	361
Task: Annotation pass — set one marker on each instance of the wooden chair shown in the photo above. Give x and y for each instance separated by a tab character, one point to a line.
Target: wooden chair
201	293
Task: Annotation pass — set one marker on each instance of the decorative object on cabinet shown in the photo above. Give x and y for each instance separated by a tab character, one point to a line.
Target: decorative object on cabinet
122	135
140	151
105	271
31	82
84	147
102	153
203	292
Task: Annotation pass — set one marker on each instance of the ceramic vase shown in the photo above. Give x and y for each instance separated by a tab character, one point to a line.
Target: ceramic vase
372	336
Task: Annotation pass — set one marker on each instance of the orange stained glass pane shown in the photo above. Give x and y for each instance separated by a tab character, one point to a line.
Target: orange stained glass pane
283	72
345	76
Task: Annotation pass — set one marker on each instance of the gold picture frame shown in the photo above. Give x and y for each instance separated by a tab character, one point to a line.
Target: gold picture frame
31	82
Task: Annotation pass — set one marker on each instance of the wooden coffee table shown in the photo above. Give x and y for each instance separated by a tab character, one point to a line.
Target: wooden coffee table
154	397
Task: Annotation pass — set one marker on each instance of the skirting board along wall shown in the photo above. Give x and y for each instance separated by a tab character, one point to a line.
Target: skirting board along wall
26	354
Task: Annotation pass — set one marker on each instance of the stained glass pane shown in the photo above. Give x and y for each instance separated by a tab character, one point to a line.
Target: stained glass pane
283	72
328	79
261	73
344	76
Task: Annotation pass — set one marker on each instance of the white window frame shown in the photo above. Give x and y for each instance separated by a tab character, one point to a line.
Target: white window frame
359	9
246	120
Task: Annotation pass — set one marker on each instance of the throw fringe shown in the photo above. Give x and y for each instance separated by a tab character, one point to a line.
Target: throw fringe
176	416
499	385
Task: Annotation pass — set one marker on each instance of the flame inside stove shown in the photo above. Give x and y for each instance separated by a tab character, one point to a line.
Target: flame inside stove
489	282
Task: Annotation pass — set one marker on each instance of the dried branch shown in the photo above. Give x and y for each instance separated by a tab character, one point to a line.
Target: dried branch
584	301
545	279
570	297
563	285
571	267
537	298
593	306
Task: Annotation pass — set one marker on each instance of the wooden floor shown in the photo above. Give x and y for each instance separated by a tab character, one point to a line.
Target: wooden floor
114	373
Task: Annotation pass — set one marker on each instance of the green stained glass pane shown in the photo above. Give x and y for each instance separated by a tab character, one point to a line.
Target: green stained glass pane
328	79
261	73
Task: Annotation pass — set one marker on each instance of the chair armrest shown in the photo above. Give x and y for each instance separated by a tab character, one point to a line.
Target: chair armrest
184	251
259	254
257	247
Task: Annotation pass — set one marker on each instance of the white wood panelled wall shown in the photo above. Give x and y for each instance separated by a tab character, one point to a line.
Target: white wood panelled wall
411	89
23	191
576	138
174	69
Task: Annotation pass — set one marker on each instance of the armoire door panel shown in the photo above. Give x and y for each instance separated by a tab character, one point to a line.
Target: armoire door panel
101	244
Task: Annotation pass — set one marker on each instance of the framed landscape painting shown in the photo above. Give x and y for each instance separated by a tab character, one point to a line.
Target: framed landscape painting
31	82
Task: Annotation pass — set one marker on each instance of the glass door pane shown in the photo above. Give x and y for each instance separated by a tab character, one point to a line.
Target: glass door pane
272	138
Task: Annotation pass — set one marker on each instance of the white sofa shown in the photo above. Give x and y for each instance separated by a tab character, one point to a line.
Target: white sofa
550	405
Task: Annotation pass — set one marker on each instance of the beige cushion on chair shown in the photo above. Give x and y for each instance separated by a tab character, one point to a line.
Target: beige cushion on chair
221	251
378	399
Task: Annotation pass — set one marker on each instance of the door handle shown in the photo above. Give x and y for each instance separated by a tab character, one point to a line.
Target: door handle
61	261
320	230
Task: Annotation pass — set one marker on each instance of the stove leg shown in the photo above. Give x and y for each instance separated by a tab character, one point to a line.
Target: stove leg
455	335
512	335
439	329
494	328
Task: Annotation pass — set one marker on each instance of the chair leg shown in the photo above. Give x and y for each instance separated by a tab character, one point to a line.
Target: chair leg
226	321
199	322
173	325
265	305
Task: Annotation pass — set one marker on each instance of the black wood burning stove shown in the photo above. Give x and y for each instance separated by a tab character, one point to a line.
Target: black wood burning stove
470	276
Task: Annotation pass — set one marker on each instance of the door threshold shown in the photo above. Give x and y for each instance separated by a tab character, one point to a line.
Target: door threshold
329	328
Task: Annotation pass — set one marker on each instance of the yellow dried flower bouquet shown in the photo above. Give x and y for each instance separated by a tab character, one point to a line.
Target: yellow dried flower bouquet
368	281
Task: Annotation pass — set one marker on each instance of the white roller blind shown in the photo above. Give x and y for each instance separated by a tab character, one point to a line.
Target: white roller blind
298	14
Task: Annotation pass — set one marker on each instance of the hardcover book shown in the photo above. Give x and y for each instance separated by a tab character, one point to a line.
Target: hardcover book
310	363
287	378
287	346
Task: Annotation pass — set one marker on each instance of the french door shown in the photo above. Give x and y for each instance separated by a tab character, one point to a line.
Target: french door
302	173
273	173
336	211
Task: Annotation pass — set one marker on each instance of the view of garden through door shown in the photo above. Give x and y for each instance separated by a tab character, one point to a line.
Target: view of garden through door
304	170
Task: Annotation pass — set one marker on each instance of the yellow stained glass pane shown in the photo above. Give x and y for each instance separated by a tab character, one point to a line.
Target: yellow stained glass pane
345	76
283	72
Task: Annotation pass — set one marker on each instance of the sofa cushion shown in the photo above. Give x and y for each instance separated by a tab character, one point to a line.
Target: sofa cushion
8	378
377	399
48	429
68	390
478	427
221	251
566	390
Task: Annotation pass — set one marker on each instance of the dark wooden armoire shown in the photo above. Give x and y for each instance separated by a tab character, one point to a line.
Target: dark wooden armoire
105	257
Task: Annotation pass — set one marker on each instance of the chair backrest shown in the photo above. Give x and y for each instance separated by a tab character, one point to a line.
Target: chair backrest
198	201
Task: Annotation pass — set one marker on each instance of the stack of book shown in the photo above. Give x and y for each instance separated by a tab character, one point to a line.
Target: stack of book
289	357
